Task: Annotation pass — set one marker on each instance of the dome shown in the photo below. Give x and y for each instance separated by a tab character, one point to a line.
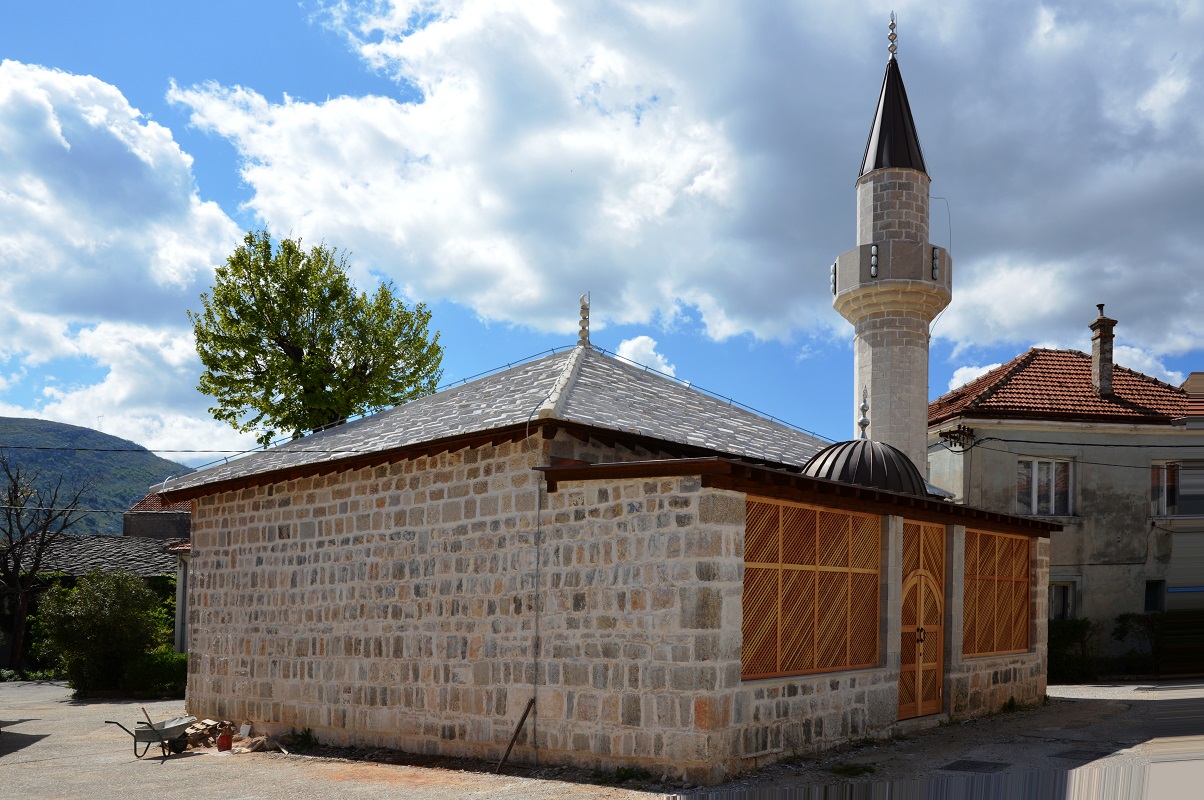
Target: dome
874	465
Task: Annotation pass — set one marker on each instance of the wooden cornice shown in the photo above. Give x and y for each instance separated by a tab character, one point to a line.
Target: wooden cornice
761	481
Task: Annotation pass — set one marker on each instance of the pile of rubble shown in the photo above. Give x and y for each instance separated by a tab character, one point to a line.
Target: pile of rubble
223	735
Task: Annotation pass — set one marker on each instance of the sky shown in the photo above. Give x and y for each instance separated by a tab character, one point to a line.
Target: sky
690	165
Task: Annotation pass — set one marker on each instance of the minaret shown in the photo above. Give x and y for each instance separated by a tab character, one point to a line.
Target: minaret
894	283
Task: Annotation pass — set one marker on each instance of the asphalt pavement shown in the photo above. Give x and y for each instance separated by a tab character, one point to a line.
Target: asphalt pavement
1105	741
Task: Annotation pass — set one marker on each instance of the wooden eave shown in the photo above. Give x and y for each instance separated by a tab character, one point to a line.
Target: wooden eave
972	412
778	484
547	428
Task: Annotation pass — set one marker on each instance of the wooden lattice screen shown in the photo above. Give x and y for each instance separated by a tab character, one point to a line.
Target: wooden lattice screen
810	589
997	604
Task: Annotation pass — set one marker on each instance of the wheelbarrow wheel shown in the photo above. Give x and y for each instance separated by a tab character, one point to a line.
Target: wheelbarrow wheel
179	744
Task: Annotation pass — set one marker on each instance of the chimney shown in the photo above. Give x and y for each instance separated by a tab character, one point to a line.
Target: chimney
1101	352
1194	386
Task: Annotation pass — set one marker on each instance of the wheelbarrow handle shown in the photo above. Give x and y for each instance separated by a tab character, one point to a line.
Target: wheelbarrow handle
119	725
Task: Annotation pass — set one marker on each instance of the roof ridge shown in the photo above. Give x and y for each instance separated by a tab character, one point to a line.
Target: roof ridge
552	406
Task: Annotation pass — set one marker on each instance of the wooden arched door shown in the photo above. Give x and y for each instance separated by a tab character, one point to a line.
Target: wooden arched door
922	663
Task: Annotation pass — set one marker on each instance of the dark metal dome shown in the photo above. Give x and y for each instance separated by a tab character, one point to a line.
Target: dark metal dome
863	462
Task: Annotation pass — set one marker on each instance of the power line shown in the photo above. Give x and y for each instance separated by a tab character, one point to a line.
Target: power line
980	443
68	510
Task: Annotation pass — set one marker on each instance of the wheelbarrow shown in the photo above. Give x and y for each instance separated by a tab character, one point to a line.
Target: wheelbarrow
171	734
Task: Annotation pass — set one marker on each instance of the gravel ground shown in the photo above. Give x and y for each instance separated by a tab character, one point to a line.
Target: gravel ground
1130	740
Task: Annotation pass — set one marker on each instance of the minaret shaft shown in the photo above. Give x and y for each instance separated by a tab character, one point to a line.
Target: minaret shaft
894	283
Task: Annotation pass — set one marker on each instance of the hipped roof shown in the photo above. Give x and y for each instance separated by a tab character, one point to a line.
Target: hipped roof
579	388
80	554
1056	385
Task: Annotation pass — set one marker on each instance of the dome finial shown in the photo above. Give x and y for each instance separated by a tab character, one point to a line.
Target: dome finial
892	37
864	421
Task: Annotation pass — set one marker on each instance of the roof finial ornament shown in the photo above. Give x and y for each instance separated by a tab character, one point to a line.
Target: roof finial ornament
864	421
583	335
893	36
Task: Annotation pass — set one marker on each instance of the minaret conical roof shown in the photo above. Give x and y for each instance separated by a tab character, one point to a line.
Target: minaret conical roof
893	141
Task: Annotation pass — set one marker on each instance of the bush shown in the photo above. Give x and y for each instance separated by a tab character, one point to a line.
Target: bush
159	672
98	628
1146	631
1071	659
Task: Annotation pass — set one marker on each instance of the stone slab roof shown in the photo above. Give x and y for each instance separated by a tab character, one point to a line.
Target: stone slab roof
581	386
1056	385
79	555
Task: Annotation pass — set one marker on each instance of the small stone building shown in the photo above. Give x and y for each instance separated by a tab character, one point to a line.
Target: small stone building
653	566
151	518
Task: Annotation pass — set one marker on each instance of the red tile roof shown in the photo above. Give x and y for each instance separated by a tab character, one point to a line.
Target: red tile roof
154	502
1056	385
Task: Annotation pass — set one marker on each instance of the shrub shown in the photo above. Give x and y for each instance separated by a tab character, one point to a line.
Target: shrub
1070	650
106	622
1146	630
159	672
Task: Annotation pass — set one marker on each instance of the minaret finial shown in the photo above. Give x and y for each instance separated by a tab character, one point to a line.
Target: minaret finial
583	335
893	36
864	422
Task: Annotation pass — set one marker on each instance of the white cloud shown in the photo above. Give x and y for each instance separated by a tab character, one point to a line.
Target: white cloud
1137	359
963	375
693	159
642	351
550	152
105	242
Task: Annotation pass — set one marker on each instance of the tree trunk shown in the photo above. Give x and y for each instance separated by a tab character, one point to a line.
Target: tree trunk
17	653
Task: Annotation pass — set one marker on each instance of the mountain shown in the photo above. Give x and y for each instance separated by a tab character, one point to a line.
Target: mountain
81	454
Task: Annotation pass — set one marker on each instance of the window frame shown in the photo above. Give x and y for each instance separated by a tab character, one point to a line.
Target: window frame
1166	487
1033	507
783	566
975	587
1072	600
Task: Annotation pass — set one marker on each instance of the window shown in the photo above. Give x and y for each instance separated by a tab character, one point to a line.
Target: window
1177	490
1061	600
810	589
1043	487
1155	596
996	603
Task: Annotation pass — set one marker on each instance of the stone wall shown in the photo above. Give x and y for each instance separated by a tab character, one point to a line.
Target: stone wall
892	204
397	606
642	626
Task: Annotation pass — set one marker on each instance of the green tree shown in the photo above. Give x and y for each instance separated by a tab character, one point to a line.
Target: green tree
97	629
288	344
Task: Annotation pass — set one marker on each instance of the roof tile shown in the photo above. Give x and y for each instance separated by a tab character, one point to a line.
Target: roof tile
1056	384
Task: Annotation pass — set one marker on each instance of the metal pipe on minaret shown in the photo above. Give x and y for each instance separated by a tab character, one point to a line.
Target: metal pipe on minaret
894	282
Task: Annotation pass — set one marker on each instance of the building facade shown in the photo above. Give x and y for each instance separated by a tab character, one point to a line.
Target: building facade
1113	456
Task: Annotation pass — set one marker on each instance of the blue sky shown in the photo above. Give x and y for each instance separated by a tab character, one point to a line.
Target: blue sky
689	164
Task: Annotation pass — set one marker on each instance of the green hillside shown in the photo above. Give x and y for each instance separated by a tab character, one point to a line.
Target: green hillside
120	478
